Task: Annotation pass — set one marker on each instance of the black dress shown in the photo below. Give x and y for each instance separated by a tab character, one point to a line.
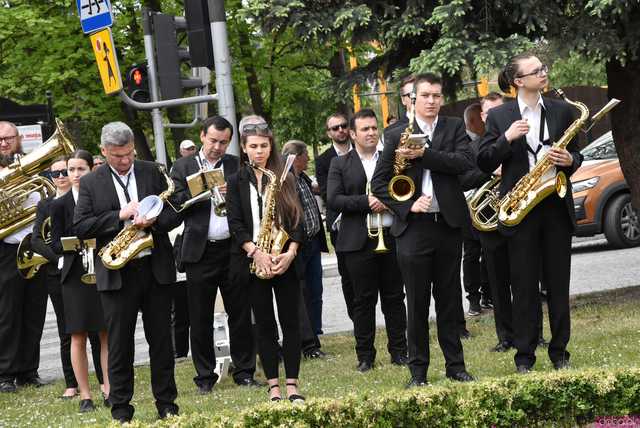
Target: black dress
82	307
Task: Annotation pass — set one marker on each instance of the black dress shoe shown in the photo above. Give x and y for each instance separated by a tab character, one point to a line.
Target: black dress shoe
123	419
86	406
502	347
486	303
522	369
34	381
205	388
399	360
314	354
364	366
249	381
416	383
461	376
7	386
165	412
561	364
105	401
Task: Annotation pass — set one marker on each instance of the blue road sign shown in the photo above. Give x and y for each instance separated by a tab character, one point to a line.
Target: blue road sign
94	15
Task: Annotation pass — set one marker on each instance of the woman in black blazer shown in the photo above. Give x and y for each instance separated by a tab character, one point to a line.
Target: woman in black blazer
518	134
83	311
244	197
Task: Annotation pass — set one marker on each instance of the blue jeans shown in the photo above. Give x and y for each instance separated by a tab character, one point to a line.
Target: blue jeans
312	262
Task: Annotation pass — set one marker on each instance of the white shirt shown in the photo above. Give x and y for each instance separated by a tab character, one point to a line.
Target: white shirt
533	136
369	165
218	226
427	182
255	211
75	193
16	237
338	149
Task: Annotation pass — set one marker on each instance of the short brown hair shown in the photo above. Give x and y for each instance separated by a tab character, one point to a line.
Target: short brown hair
491	96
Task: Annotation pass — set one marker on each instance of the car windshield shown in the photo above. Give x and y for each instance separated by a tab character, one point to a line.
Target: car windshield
601	148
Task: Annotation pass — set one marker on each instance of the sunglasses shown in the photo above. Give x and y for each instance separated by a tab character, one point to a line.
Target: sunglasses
255	128
339	126
58	173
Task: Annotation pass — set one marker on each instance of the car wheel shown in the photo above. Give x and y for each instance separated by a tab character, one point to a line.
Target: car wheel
621	223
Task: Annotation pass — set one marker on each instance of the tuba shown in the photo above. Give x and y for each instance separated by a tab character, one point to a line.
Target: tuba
20	179
132	240
402	187
376	231
28	261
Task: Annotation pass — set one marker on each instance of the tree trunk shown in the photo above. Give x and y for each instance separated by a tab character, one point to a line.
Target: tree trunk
338	69
246	59
624	84
141	145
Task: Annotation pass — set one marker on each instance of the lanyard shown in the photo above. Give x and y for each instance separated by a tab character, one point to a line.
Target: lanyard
125	187
541	137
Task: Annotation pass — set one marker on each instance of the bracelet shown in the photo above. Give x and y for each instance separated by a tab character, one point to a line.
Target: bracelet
252	252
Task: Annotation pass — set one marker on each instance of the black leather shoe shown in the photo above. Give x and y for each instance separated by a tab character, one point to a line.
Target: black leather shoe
7	386
314	354
502	347
561	364
105	401
465	334
86	406
249	381
364	366
34	381
461	376
486	304
123	419
205	388
416	383
165	412
399	360
522	369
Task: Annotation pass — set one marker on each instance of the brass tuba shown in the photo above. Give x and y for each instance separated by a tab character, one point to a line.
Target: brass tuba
20	179
402	187
28	261
132	240
484	205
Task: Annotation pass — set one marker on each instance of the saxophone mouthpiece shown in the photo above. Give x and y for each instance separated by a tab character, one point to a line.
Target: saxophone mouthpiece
560	93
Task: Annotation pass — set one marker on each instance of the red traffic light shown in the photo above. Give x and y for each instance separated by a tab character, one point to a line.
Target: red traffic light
137	76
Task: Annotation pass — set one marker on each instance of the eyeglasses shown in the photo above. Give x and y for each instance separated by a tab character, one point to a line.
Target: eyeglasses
339	126
8	139
190	148
541	71
58	173
255	128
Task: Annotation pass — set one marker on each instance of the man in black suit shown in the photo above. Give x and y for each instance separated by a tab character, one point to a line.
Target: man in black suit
107	202
23	303
371	272
205	256
338	132
428	226
518	134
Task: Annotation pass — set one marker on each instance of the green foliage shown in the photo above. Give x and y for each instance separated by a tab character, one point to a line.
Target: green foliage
577	70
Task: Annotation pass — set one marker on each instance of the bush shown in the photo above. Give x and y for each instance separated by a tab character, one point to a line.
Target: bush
566	398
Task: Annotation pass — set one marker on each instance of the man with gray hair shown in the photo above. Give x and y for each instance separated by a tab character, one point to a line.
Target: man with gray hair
108	200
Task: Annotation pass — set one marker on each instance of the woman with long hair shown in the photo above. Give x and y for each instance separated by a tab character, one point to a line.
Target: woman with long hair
518	135
246	203
83	311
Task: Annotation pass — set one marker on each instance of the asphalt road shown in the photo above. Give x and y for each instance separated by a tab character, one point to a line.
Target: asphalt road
595	267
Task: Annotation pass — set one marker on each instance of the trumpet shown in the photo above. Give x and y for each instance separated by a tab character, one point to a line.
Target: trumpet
205	185
375	228
86	250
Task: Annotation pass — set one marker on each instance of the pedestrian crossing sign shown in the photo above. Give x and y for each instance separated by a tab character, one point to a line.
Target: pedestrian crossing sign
102	43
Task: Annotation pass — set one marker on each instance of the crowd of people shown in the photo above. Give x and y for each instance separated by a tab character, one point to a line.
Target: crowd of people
401	250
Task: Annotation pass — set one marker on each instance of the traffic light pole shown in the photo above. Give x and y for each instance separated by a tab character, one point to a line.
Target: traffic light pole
224	84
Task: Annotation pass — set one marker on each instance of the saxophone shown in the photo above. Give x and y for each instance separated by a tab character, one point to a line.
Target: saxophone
271	237
402	187
132	240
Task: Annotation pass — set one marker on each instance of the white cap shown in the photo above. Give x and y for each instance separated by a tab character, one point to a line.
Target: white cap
186	144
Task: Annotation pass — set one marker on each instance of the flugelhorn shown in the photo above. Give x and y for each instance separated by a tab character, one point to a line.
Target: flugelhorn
376	230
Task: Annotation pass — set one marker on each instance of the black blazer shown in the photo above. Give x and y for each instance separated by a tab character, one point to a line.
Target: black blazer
346	189
475	177
37	242
196	218
447	157
62	210
241	221
495	150
323	162
97	216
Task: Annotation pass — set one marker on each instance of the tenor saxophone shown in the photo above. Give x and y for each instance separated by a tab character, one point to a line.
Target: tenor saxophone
402	187
271	237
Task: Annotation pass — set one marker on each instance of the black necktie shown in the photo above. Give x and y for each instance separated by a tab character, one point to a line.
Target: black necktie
125	187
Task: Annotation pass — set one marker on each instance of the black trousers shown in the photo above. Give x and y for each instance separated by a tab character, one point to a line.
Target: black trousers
286	288
347	285
429	252
180	319
140	291
23	308
474	270
55	294
308	338
204	278
542	239
374	274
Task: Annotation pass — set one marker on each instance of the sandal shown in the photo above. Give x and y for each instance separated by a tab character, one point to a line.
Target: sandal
275	397
295	398
70	397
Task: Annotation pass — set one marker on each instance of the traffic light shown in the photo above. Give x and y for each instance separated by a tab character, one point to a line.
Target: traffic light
169	33
138	83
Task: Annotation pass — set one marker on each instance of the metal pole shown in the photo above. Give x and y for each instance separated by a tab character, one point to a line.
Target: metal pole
222	60
156	115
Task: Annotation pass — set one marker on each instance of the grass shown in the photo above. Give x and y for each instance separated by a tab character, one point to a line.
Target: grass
605	334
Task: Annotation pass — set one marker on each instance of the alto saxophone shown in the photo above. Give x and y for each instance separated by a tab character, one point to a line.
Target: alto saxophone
402	187
271	237
132	240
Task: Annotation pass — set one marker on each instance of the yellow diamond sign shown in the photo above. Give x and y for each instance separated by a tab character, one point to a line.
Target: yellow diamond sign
102	43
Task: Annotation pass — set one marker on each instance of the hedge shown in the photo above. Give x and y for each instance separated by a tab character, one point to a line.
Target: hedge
564	398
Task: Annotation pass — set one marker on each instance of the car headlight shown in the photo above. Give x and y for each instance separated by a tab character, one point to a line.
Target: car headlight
582	185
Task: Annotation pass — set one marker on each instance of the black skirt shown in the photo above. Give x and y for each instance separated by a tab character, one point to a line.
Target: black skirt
82	306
